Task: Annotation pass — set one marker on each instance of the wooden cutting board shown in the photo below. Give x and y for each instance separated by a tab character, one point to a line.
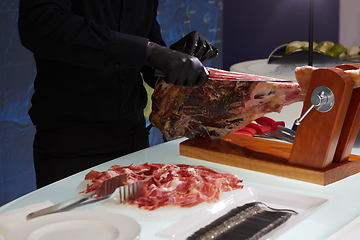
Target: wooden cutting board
265	156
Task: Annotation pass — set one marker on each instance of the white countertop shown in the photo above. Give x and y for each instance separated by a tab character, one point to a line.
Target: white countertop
343	197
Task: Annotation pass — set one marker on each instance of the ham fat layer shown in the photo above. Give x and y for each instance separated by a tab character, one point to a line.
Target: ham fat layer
303	76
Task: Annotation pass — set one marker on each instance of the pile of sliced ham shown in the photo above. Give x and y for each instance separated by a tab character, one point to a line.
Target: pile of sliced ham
170	184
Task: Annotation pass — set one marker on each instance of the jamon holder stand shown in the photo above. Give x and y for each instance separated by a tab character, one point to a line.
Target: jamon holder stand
321	152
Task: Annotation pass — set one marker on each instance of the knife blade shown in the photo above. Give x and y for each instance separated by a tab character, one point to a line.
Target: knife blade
281	136
275	125
159	73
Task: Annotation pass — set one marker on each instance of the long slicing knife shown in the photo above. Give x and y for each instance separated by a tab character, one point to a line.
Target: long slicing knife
227	77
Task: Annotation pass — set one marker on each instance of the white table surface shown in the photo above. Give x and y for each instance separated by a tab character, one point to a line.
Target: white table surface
343	197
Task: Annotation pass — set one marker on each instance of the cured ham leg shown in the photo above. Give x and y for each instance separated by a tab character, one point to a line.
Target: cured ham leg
227	102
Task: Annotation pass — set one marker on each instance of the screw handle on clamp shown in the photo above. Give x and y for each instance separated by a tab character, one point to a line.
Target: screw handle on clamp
322	99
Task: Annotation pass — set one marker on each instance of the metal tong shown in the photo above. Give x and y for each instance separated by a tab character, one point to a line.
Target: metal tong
107	188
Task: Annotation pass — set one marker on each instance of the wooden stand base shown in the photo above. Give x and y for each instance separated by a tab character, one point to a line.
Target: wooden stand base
265	156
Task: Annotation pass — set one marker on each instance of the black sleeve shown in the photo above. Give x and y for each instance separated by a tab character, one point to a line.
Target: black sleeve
155	36
50	30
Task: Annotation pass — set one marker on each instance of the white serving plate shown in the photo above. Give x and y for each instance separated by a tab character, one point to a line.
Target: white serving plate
77	225
304	205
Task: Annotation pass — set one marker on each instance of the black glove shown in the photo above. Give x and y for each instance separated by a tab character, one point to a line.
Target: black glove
196	45
180	69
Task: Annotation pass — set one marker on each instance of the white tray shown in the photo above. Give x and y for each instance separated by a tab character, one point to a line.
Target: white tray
304	205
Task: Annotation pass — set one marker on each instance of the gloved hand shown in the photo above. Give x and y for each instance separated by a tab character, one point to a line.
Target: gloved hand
196	45
180	69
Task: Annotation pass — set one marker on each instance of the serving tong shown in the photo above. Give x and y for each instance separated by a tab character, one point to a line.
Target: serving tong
107	188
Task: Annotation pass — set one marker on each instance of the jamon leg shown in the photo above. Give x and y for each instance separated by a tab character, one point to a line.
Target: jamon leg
227	102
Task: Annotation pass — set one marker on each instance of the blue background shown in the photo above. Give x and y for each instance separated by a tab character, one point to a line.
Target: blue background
242	30
17	72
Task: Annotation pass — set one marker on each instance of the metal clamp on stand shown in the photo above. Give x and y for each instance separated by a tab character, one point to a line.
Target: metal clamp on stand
322	99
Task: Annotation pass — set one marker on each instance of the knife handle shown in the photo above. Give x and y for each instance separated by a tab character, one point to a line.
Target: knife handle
63	206
260	129
159	73
265	121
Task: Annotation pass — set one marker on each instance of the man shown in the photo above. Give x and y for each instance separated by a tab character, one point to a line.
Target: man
89	98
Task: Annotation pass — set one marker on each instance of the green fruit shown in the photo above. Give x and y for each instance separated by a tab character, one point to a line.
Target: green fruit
337	50
296	46
342	55
355	50
306	45
314	45
323	46
291	49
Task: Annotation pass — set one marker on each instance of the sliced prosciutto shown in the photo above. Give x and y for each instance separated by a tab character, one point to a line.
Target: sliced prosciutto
227	102
170	184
